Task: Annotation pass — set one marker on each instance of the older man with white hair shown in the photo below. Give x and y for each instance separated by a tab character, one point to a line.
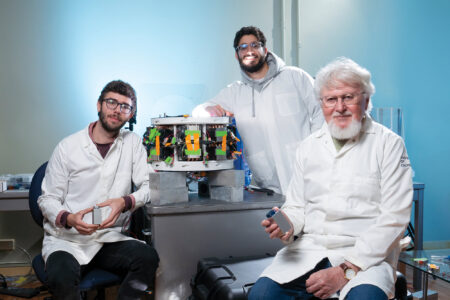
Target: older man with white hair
349	200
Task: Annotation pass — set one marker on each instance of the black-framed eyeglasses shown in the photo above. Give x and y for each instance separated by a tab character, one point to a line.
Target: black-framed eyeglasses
244	47
113	103
347	99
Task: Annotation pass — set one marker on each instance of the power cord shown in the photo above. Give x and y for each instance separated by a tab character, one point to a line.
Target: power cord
16	291
30	260
21	262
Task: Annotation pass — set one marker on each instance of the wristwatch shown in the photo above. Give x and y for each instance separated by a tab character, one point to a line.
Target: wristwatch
349	273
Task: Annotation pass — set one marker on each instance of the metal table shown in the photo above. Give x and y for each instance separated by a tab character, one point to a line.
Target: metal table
14	200
437	257
183	233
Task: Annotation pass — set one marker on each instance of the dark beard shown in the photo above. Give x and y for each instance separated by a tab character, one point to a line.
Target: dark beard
102	118
255	68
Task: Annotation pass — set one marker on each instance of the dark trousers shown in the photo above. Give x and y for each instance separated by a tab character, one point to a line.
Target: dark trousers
266	288
134	261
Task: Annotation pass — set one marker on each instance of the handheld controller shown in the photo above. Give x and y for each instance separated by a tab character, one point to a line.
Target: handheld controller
281	220
96	216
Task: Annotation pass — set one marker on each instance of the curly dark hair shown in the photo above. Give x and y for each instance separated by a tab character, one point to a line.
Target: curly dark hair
119	87
249	30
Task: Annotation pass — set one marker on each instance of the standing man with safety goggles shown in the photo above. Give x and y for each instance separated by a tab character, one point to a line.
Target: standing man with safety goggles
274	107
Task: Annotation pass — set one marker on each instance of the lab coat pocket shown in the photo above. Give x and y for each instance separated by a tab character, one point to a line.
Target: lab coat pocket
365	189
287	104
355	196
262	171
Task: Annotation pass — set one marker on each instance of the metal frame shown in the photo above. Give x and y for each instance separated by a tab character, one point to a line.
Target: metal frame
192	166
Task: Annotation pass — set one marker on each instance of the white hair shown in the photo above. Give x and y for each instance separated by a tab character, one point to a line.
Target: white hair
344	70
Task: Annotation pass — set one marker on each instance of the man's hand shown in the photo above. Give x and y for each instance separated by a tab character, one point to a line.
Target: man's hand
76	221
117	205
273	230
326	282
218	111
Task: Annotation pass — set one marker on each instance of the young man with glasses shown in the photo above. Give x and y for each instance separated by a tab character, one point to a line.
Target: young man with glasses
274	107
349	201
96	167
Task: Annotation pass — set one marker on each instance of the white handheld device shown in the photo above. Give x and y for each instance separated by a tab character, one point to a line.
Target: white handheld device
96	216
281	220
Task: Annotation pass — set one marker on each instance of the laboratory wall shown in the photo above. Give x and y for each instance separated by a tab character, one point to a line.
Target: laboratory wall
57	55
405	45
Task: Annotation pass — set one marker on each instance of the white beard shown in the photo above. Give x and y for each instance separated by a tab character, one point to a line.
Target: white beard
346	133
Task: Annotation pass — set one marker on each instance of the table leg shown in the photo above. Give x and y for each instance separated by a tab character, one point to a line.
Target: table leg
425	286
418	199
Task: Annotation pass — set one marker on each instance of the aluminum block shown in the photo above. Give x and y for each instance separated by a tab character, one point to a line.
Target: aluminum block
227	193
167	180
231	178
168	196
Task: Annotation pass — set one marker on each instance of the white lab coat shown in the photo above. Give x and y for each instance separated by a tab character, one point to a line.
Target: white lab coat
349	205
77	177
272	116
